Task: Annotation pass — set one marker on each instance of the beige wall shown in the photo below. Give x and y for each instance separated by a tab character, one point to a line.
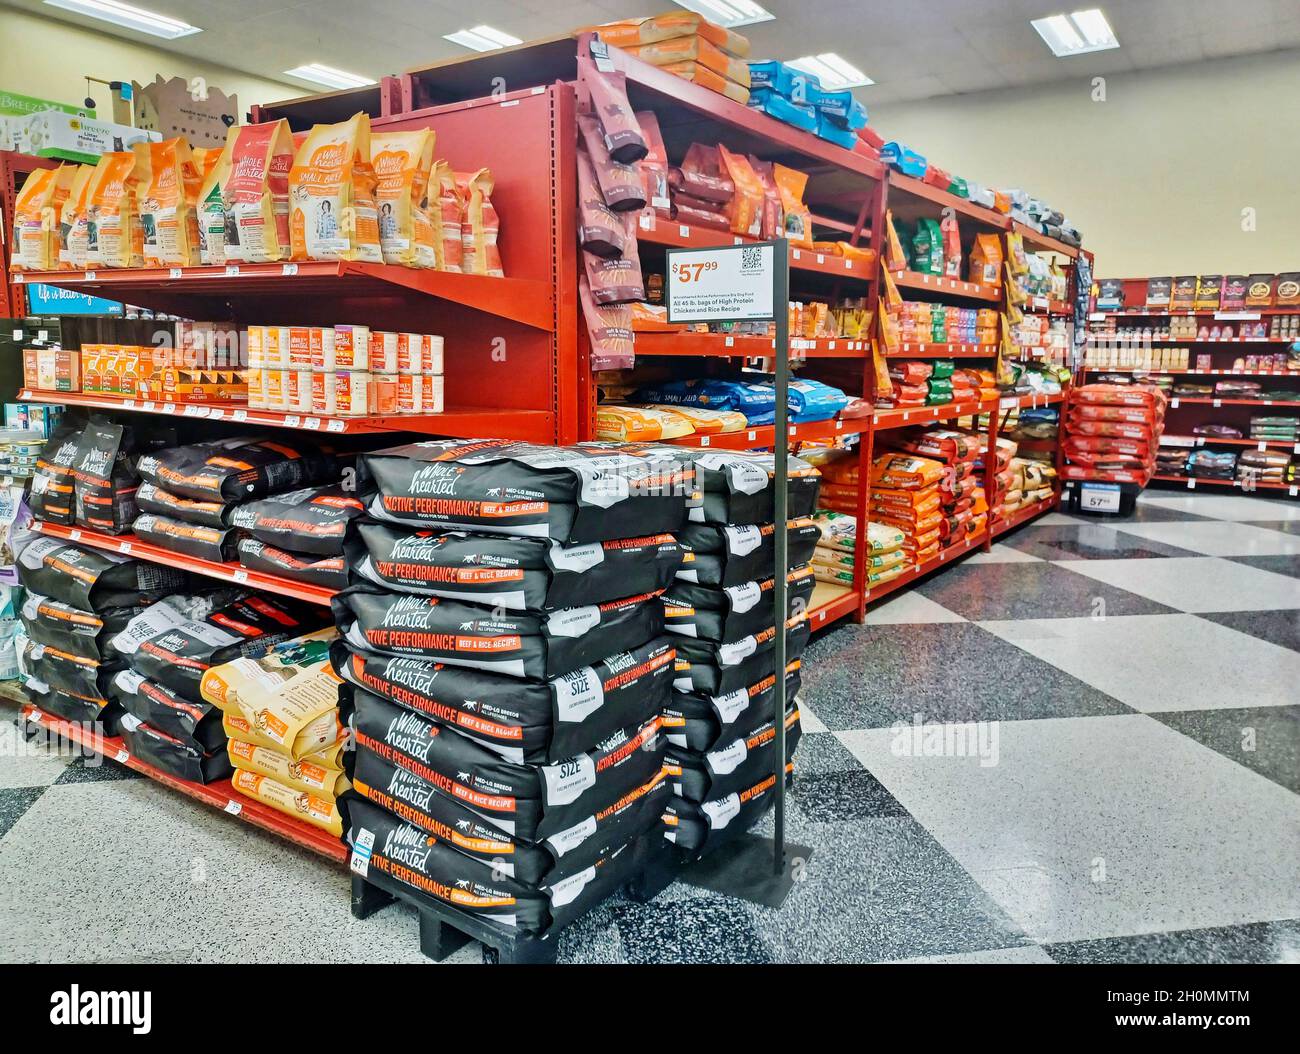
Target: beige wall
51	59
1156	176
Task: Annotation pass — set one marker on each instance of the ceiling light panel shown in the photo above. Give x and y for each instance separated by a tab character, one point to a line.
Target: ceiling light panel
129	17
832	71
482	38
1080	33
729	13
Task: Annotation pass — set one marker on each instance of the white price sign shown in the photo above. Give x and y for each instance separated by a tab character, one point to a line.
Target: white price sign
729	283
1099	497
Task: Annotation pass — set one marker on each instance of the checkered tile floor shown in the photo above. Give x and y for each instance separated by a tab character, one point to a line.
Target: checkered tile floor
1125	790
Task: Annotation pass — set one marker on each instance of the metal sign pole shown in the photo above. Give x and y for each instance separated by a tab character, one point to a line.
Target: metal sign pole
780	535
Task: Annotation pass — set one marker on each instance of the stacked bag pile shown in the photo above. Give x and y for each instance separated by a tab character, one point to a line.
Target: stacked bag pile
834	558
1212	464
189	495
299	534
720	723
906	493
280	714
798	98
1024	482
506	669
934	382
963	506
1112	433
688	46
77	602
171	648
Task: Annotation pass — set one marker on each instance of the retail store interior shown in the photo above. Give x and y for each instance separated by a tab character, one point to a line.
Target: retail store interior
400	417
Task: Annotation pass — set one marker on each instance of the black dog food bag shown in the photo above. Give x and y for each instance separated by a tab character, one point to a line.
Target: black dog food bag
196	725
236	470
526	722
698	829
517	573
515	644
105	480
84	633
568	494
173	756
311	520
91	580
732	767
699	722
731	613
716	669
328	572
525	801
189	539
736	487
729	555
453	823
53	490
152	498
399	856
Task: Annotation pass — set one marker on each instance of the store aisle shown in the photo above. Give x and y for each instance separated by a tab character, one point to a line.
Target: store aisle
1125	789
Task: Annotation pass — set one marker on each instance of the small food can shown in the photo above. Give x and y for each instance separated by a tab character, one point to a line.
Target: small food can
431	356
352	393
277	389
323	392
431	395
256	347
384	389
275	347
299	391
352	348
384	351
410	393
410	353
299	348
257	389
322	348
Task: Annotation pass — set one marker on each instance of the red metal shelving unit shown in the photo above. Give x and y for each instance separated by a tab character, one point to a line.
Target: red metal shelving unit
220	794
130	545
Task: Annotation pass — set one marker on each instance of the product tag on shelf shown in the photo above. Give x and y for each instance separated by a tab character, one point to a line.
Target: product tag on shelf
704	440
233	807
18	335
19	278
196	411
128	404
239	415
216	413
74	535
90	276
1218	402
292	421
169	408
1173	404
289	270
1263	445
684	230
123	547
121	757
232	270
240	576
646	221
336	426
148	407
175	272
1191	484
311	424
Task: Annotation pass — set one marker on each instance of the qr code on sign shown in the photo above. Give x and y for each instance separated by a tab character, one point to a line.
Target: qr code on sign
751	258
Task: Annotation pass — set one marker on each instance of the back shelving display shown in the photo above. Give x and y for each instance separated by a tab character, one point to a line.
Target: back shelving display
1203	356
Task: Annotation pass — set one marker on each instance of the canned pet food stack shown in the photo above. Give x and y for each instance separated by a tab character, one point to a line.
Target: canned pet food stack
720	724
504	648
405	373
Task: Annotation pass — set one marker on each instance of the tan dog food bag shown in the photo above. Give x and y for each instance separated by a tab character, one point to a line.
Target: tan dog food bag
479	225
332	213
211	206
116	237
320	774
446	211
168	188
402	163
74	220
311	808
255	192
36	218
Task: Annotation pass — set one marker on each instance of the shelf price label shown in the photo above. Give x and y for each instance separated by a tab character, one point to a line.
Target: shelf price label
289	270
233	807
728	283
175	272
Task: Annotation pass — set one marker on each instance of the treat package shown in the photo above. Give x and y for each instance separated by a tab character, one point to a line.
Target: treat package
332	212
617	280
618	124
796	215
609	331
654	166
747	203
254	193
169	187
620	185
600	231
701	175
401	162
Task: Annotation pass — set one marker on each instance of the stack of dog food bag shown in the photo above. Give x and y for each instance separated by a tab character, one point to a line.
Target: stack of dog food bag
299	534
833	560
171	647
188	494
690	46
508	668
721	724
962	506
1112	432
280	712
77	602
906	493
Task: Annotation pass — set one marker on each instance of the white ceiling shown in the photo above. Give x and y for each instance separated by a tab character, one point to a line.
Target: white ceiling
913	49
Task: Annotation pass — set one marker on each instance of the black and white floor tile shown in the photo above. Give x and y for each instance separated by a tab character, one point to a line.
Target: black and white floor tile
1081	747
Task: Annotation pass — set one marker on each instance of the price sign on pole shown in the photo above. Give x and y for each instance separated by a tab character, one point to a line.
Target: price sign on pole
750	282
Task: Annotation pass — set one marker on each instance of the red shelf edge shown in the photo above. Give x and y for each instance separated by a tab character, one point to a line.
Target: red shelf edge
219	794
129	544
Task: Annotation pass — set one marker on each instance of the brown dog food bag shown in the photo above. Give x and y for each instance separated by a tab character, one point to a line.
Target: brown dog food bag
620	184
617	280
609	329
600	231
618	125
446	209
